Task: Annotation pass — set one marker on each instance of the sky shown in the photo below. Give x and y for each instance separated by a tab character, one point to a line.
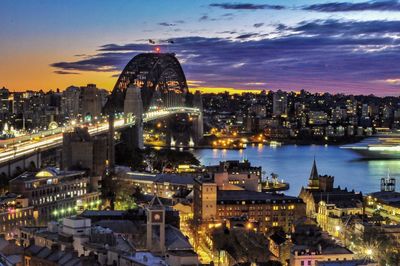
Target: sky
350	47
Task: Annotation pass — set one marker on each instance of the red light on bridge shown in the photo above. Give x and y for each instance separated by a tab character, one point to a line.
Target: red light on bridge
157	49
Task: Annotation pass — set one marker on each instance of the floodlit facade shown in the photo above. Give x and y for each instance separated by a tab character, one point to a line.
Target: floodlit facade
55	193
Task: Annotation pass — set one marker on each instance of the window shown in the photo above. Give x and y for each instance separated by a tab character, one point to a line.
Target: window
302	263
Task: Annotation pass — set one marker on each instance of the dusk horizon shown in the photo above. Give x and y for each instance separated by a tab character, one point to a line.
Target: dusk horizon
319	46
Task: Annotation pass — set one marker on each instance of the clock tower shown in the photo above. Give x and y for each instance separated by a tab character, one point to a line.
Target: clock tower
155	212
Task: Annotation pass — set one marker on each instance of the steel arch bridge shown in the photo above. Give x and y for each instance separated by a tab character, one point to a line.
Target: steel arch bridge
156	75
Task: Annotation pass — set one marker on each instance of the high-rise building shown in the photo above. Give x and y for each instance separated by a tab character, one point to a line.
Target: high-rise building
91	102
70	102
4	104
279	103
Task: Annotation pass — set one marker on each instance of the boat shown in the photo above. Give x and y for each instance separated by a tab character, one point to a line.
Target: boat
385	144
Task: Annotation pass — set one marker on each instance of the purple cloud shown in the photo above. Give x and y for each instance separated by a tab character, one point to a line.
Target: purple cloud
389	5
330	55
246	6
62	72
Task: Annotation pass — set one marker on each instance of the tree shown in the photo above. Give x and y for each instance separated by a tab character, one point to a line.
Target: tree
124	201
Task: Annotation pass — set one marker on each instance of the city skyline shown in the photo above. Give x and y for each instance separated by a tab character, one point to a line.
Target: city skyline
346	47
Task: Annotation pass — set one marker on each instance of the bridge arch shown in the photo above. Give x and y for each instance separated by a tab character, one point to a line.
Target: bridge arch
155	74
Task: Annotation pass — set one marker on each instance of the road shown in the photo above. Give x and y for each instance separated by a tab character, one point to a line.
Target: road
24	145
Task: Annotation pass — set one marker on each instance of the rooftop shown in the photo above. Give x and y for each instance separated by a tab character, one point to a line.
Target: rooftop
245	195
147	259
325	250
162	178
345	263
46	173
56	256
336	195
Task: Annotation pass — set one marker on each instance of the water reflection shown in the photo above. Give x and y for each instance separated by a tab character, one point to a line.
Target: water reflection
293	163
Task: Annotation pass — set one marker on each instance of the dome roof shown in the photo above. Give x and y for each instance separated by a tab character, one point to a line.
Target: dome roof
47	172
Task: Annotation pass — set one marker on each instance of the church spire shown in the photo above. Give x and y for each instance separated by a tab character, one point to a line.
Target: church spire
313	181
314	172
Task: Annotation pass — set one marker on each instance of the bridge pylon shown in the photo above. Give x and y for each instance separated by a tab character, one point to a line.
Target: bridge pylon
198	126
133	109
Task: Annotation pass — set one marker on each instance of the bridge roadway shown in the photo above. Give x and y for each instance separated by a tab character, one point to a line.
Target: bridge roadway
24	145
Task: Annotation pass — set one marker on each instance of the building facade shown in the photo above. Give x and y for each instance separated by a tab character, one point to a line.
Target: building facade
265	210
55	193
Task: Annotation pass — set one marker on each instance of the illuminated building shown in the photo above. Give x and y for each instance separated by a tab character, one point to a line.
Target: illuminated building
310	257
354	262
70	102
386	201
330	215
311	246
162	185
4	103
241	174
279	104
317	118
267	210
320	188
55	193
279	246
91	102
14	212
117	242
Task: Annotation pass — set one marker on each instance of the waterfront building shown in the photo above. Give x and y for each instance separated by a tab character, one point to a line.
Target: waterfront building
321	188
266	210
386	201
241	174
162	185
55	193
317	118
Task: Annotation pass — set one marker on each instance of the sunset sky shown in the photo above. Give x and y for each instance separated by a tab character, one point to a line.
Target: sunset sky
351	47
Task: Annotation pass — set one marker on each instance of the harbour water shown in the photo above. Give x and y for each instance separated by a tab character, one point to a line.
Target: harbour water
293	164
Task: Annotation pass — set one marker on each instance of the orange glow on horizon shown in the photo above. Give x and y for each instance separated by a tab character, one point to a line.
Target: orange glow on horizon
222	90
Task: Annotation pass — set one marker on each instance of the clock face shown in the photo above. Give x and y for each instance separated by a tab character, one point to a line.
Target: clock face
157	217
